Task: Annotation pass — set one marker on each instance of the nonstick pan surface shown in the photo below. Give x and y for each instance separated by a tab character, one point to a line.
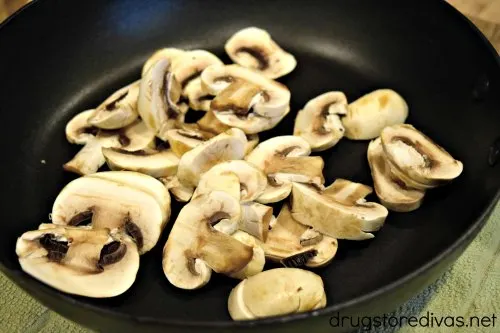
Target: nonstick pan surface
60	57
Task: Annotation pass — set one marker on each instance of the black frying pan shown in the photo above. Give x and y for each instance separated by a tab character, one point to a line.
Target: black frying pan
59	57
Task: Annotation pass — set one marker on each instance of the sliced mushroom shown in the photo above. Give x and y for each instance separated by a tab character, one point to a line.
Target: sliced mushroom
118	110
254	48
194	248
226	146
132	202
168	53
210	123
89	159
256	265
198	99
79	261
392	192
255	219
285	145
180	192
151	162
189	65
347	192
332	218
182	140
227	181
416	159
275	292
159	95
252	142
319	121
368	115
78	130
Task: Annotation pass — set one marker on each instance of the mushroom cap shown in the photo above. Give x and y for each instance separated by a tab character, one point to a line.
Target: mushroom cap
274	292
194	247
284	241
256	265
254	48
226	146
368	115
332	218
118	110
150	162
79	261
78	130
168	53
182	140
414	155
392	192
319	121
125	200
188	66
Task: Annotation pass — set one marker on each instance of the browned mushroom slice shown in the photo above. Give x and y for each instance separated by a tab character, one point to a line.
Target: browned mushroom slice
184	139
210	123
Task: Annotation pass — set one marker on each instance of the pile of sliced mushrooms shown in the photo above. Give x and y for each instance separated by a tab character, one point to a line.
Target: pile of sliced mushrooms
103	221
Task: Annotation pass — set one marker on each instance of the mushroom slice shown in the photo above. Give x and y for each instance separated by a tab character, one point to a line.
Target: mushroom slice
319	121
168	53
332	218
210	123
118	110
182	140
273	100
148	161
180	192
254	48
256	265
283	146
159	95
367	116
79	261
416	159
88	159
252	142
255	219
124	200
278	291
189	65
198	99
347	192
194	247
288	238
78	130
226	181
226	146
252	124
392	192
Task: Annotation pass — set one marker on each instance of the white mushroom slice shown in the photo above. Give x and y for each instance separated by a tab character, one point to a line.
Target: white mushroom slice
198	99
275	192
254	48
368	115
253	141
88	159
310	237
180	192
392	192
118	110
255	219
256	265
182	140
189	65
79	261
210	123
159	95
285	145
226	146
251	124
226	181
274	98
334	219
78	130
416	159
116	199
151	162
319	121
194	247
168	53
347	192
275	292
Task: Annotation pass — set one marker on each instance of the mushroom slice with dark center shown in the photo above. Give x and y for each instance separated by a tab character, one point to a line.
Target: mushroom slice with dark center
78	130
182	140
180	192
254	48
198	99
312	208
392	192
238	98
78	260
159	95
169	53
189	66
367	116
148	161
118	110
319	121
416	159
118	200
194	248
274	292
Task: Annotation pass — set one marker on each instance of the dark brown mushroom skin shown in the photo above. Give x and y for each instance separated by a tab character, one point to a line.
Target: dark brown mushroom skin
81	217
89	130
56	249
299	259
111	253
258	54
133	230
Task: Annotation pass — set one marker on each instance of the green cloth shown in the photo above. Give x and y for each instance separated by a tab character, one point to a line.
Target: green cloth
471	287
